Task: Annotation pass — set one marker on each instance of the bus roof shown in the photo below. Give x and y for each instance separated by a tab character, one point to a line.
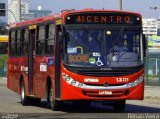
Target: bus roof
63	13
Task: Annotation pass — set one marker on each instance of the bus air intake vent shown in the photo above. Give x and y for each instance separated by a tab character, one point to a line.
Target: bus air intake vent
116	93
103	73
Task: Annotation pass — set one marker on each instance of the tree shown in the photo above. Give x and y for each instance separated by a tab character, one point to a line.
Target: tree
3	31
3	28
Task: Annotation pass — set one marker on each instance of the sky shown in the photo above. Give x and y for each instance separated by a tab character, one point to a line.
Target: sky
141	6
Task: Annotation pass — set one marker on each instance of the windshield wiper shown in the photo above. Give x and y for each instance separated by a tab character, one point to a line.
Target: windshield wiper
119	34
85	29
112	51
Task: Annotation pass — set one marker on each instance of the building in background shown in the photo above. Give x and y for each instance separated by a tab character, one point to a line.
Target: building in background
35	14
14	6
25	15
151	28
2	12
24	8
40	13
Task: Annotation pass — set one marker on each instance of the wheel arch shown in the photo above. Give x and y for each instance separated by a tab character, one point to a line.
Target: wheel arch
25	80
20	81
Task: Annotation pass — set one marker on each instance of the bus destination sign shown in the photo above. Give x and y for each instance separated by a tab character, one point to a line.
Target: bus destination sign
102	18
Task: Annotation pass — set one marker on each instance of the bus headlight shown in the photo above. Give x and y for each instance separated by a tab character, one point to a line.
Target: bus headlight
135	83
80	84
71	81
66	78
75	83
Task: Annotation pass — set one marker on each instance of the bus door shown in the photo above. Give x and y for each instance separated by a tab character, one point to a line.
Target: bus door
31	47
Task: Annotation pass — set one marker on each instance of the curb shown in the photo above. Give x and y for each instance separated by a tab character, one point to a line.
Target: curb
3	81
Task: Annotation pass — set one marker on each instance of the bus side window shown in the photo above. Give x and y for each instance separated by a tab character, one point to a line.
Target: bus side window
24	42
40	50
49	46
18	43
12	43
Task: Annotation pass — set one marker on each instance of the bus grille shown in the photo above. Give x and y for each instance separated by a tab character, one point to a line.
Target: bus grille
116	93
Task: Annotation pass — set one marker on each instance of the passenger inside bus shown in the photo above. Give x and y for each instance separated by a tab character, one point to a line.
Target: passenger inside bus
87	42
119	46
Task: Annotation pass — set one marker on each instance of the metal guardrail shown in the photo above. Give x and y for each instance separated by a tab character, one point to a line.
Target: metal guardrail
152	70
3	71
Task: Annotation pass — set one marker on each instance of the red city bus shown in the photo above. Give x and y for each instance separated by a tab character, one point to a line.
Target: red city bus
79	56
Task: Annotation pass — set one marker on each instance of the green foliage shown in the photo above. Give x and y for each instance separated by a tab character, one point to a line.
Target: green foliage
3	48
3	60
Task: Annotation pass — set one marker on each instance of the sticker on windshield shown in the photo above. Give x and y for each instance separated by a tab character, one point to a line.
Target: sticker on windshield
99	62
96	54
92	60
71	50
78	58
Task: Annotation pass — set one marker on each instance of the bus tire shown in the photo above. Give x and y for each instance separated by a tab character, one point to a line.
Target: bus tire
119	106
24	99
36	101
51	102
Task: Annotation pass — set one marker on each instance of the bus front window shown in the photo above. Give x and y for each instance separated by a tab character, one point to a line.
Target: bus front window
102	48
124	49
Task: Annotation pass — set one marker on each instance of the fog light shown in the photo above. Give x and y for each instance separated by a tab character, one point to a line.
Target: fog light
126	92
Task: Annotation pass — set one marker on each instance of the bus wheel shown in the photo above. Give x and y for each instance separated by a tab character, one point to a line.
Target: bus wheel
36	101
119	106
51	102
24	98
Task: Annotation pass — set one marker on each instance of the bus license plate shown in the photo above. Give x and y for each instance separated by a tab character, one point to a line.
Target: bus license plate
105	92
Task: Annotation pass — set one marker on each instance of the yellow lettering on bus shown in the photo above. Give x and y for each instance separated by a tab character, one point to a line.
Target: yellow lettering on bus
58	22
78	58
32	27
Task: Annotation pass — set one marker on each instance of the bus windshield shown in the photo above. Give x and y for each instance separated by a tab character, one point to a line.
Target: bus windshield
111	47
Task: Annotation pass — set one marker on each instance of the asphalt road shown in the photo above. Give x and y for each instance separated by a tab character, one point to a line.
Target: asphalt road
10	105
